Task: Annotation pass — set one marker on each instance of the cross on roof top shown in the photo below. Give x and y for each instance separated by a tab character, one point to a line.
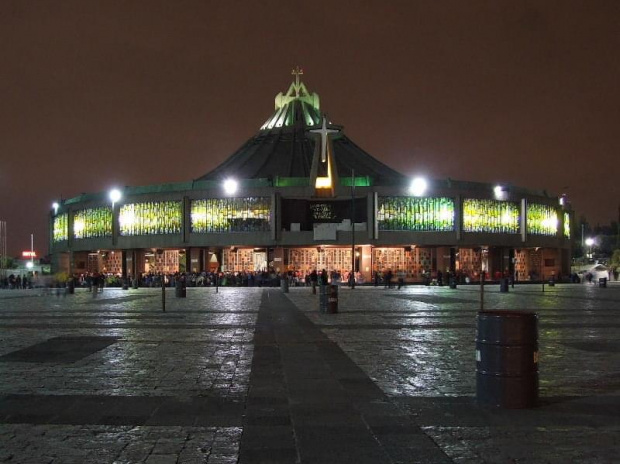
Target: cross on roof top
297	72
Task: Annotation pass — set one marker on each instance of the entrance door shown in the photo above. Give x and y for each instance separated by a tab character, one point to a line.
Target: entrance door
260	261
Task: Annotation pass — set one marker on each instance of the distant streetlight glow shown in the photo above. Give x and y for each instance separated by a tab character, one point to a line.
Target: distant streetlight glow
589	241
499	192
29	265
230	186
418	187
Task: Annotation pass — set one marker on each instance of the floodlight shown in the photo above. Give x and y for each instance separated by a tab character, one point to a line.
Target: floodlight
418	186
230	186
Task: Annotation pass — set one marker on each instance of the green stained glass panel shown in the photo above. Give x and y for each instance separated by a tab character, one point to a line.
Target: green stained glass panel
416	214
92	223
490	216
61	228
151	218
218	215
542	219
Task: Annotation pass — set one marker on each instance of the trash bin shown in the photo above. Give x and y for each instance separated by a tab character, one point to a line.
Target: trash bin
503	285
179	290
602	282
284	284
125	285
134	284
70	287
452	282
507	359
323	297
332	302
552	282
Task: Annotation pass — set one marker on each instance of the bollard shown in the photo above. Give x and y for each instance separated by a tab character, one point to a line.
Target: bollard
134	284
602	282
507	359
180	291
503	285
163	294
332	302
125	285
452	282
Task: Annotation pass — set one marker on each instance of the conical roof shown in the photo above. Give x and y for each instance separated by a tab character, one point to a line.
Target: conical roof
285	146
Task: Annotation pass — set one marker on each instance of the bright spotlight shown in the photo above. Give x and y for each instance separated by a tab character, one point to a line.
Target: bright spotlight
29	265
230	186
418	187
499	191
115	195
589	241
55	205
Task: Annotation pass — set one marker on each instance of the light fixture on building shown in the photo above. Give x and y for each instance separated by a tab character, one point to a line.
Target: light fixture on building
418	187
115	196
55	205
230	186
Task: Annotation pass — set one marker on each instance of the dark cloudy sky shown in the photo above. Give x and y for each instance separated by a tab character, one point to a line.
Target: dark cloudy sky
102	93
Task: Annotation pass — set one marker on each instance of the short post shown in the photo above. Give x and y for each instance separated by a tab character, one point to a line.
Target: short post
217	282
163	293
543	282
482	291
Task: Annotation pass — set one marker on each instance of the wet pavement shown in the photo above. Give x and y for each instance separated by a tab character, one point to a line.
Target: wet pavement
250	375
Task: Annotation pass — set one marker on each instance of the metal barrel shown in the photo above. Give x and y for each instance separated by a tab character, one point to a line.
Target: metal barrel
507	359
323	297
332	302
284	284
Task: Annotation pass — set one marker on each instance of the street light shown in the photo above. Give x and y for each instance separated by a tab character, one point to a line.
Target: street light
115	195
230	186
418	186
589	243
499	192
55	205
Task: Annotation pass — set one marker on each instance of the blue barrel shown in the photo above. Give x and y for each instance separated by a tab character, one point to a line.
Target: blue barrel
507	359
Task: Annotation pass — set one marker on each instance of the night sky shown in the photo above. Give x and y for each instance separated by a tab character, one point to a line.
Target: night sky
115	93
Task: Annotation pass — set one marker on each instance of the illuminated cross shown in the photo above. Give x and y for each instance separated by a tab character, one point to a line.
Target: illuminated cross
297	72
324	131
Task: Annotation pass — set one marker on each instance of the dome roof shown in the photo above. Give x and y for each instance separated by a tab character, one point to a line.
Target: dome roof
286	145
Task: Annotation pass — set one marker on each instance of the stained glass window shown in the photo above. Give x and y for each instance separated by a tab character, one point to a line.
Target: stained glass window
230	215
490	216
421	214
91	223
151	218
567	225
542	219
61	227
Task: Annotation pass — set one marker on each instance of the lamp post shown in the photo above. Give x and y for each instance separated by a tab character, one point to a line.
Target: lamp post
352	277
590	243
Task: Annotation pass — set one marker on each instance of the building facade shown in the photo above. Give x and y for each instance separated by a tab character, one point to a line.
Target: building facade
301	195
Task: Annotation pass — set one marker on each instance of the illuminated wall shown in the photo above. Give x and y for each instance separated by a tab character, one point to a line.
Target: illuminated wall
61	227
92	223
567	225
409	213
542	220
151	218
231	215
491	216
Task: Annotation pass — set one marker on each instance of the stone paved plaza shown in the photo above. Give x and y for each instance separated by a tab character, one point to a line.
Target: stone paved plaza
251	375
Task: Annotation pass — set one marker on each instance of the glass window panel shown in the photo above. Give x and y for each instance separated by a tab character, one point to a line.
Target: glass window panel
542	220
92	223
418	214
151	218
567	225
220	215
491	216
61	227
